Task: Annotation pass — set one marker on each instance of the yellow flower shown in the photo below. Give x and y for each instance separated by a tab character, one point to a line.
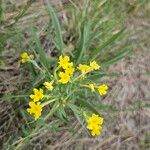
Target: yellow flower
69	65
94	65
96	130
65	78
64	61
83	68
70	69
35	109
94	124
91	86
94	120
38	95
49	85
25	57
103	89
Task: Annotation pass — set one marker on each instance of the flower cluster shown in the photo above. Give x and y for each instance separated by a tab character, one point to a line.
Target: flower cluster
88	68
49	85
68	68
35	104
25	57
66	73
102	89
94	124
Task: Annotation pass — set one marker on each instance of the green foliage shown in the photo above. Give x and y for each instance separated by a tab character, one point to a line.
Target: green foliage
1	10
58	40
39	50
96	27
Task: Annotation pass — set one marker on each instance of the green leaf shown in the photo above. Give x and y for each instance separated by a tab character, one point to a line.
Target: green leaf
74	108
1	10
53	110
62	114
84	41
97	52
100	74
76	112
39	49
89	105
118	57
105	108
59	39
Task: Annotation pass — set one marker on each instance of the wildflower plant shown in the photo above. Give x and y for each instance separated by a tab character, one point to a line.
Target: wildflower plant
71	82
60	89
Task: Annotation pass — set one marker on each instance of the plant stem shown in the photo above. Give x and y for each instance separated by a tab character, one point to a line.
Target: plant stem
48	102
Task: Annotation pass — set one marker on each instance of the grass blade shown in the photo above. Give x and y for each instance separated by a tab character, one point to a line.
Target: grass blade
76	112
1	10
59	39
99	75
88	105
118	57
39	49
85	37
110	41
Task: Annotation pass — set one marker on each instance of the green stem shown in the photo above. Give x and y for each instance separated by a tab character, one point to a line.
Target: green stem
85	115
81	75
53	110
36	65
47	96
48	102
55	71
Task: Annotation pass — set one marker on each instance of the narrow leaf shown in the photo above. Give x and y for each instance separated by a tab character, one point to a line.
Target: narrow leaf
59	39
85	41
97	52
100	74
39	49
89	105
118	57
